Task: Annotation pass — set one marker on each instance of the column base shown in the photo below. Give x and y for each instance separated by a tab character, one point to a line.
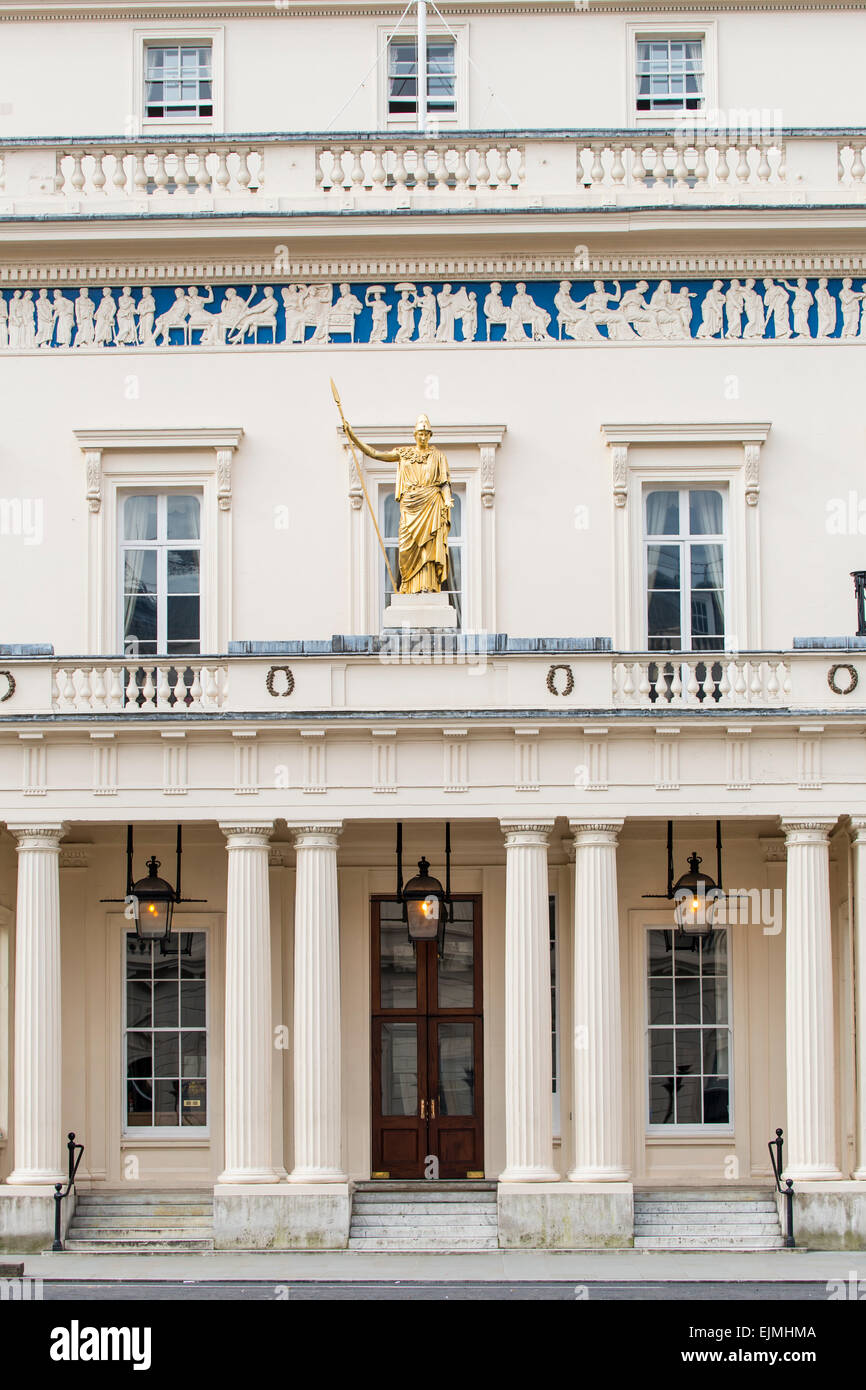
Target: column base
239	1176
278	1217
36	1177
529	1175
27	1218
316	1175
559	1216
588	1175
813	1172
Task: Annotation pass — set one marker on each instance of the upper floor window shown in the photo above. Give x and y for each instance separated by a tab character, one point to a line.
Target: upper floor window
160	556
684	544
178	82
390	524
403	78
670	75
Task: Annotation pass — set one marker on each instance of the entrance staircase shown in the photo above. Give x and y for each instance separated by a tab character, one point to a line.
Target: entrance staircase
141	1223
706	1219
415	1216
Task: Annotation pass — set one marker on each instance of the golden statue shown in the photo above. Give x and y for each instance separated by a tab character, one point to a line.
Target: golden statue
423	489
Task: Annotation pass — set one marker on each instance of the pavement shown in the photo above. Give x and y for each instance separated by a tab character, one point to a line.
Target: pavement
502	1266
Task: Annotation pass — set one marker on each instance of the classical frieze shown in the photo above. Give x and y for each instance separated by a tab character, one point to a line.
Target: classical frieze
740	308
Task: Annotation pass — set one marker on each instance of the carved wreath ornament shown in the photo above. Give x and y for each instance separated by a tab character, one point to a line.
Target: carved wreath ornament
270	681
852	679
568	685
10	681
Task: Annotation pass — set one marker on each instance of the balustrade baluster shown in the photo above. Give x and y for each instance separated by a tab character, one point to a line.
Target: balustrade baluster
115	688
160	176
139	174
148	690
97	687
244	174
461	173
617	168
764	170
596	173
857	166
118	177
222	176
743	169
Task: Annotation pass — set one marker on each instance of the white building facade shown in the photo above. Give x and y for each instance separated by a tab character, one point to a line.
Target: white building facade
619	263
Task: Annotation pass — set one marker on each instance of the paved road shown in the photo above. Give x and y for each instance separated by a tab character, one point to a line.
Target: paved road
430	1291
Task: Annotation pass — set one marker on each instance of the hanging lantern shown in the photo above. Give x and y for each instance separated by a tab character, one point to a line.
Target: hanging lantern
425	901
150	901
696	900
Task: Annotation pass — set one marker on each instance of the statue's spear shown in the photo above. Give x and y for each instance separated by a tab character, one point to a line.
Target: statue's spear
359	468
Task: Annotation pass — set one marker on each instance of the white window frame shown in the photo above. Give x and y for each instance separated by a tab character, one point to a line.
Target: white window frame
153	461
458	489
471	452
686	1130
172	36
691	455
132	1132
685	542
459	33
706	32
162	547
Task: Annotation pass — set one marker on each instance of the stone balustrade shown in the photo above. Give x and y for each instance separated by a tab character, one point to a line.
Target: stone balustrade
106	688
684	682
288	172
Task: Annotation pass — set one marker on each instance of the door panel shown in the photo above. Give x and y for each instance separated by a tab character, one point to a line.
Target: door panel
427	1046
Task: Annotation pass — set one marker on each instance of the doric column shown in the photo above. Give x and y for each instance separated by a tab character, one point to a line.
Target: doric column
858	826
249	1049
318	1099
37	1133
599	1143
811	1126
528	1057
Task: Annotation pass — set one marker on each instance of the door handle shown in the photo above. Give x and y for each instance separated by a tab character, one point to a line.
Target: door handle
432	1110
423	1111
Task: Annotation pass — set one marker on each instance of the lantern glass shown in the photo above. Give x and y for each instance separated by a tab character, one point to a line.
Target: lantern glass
695	900
423	918
153	905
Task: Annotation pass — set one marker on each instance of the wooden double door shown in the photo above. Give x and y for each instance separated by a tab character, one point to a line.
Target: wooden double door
427	1044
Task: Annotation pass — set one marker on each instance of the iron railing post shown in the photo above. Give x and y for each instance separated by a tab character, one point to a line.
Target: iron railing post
75	1153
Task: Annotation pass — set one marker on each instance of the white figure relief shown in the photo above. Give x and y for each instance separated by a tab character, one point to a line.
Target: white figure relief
28	320
445	300
850	299
294	299
524	310
344	311
230	312
64	319
632	315
261	315
670	313
317	311
826	310
174	318
200	319
800	306
406	306
4	322
468	316
595	310
85	311
754	307
776	299
568	314
146	311
734	304
494	309
427	318
44	319
16	323
106	313
374	299
712	311
125	330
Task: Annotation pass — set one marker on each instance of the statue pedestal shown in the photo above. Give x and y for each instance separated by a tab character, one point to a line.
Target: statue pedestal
419	610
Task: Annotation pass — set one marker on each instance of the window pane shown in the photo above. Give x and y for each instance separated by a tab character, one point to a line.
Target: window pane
688	1001
663	567
192	955
182	617
688	1100
399	1069
716	1108
193	1054
660	954
457	967
139	571
662	1101
192	1004
457	1068
708	620
183	572
390	517
661	1003
661	1051
707	567
139	519
714	997
716	1050
663	514
165	1108
456	517
398	967
664	615
706	512
140	620
688	1051
138	1004
165	1054
165	1004
139	1060
193	1096
714	954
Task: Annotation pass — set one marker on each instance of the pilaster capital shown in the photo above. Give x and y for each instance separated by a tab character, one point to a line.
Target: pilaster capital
44	835
595	832
811	831
247	835
322	835
857	827
526	834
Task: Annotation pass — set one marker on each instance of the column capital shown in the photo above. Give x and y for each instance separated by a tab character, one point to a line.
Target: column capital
858	830
248	834
322	835
811	831
595	832
529	834
45	835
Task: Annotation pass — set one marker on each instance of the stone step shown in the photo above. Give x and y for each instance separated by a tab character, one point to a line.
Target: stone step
468	1231
130	1212
703	1194
439	1210
140	1223
411	1222
121	1245
719	1208
474	1192
708	1229
701	1243
146	1199
446	1244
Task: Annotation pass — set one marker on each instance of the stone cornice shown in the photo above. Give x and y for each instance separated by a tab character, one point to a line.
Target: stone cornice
217	438
199	10
710	432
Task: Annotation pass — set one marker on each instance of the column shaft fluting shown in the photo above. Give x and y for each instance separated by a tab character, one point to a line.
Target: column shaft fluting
599	1144
317	1044
858	826
811	1081
528	1054
37	1133
249	1043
